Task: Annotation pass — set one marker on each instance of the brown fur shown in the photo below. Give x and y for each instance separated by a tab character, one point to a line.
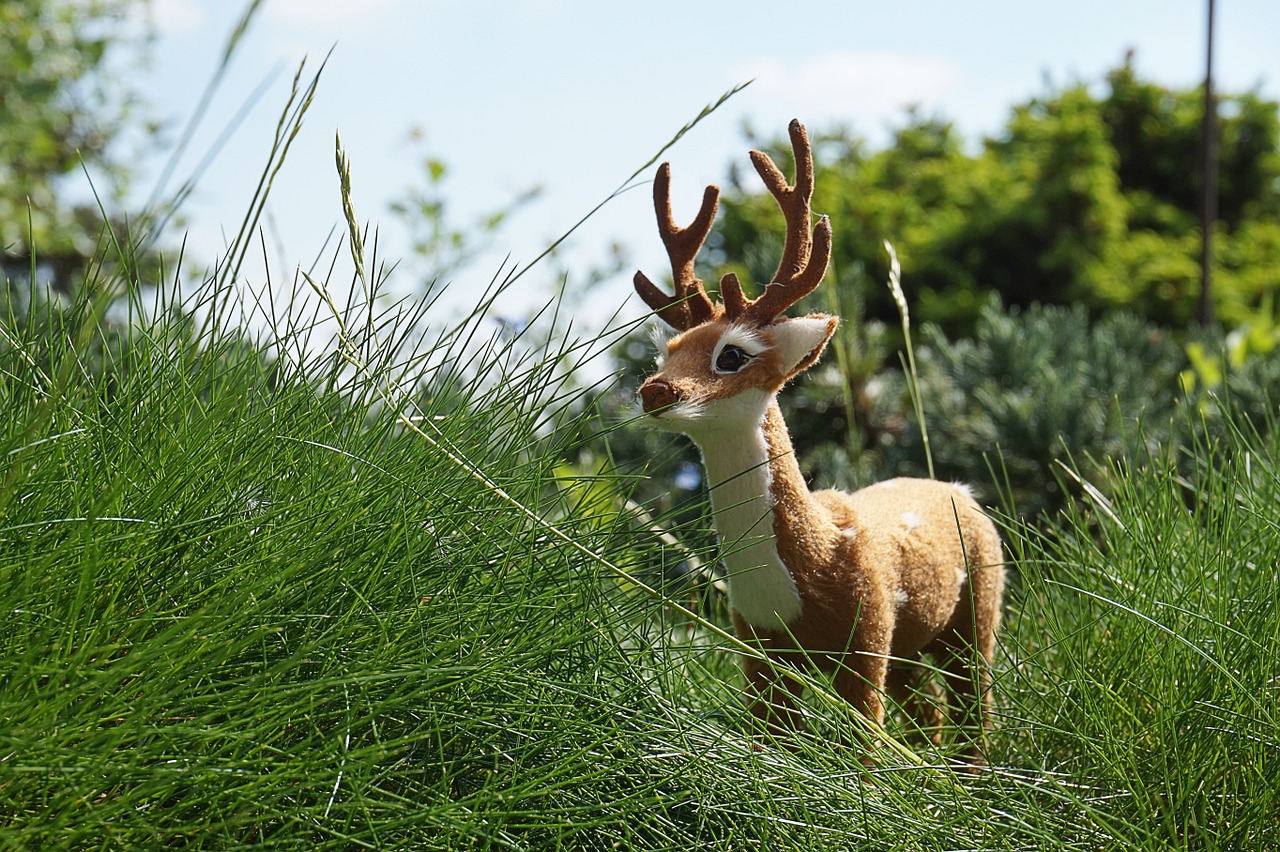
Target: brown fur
842	582
851	555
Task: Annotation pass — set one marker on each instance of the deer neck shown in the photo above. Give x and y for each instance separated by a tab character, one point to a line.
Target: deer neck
757	496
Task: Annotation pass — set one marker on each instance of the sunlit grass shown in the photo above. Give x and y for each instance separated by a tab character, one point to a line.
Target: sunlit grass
333	586
246	602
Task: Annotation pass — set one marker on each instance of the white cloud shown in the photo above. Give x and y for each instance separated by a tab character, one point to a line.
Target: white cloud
867	88
177	17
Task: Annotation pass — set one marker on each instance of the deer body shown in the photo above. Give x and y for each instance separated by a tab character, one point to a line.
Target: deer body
841	581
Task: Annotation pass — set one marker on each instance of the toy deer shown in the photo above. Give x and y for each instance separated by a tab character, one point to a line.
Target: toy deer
846	582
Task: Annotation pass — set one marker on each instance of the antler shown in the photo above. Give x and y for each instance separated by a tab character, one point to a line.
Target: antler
690	306
804	255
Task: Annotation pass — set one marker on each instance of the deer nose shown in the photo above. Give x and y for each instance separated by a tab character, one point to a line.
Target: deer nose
656	394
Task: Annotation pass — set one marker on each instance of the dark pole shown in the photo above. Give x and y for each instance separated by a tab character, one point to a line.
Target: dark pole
1209	203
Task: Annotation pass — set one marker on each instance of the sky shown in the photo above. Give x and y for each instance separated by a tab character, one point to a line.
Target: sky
574	95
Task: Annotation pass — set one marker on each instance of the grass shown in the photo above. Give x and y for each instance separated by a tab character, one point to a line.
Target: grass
243	604
264	591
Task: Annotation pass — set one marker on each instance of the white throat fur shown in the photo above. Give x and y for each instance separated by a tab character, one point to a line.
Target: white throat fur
761	588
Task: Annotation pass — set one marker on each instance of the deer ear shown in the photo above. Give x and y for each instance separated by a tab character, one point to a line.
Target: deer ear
800	341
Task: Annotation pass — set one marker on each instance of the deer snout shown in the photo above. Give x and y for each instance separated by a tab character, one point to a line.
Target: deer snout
656	395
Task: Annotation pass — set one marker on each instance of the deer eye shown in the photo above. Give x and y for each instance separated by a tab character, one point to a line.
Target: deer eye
731	359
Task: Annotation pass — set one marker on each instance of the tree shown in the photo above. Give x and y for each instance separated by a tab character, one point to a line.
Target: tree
1156	134
1053	275
1081	199
61	106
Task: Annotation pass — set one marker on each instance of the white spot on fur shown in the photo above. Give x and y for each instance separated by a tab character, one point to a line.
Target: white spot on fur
911	520
961	576
849	533
901	598
963	488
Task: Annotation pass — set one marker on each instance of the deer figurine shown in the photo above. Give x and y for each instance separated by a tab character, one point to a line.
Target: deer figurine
854	584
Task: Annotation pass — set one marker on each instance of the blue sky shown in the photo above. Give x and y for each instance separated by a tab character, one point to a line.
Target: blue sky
573	96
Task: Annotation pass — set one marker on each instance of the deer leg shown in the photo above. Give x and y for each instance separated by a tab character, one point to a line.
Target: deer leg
771	697
860	680
966	667
968	650
920	697
968	679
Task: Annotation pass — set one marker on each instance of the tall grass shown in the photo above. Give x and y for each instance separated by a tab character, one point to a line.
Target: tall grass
264	591
243	604
1144	653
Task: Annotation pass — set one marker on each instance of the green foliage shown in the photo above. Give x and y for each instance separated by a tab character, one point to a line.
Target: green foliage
296	592
1038	388
238	611
296	599
281	593
1081	199
1052	222
63	106
1142	633
1251	341
1032	393
1081	217
1155	133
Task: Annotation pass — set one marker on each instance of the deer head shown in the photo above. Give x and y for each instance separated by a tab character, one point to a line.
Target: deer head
732	356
